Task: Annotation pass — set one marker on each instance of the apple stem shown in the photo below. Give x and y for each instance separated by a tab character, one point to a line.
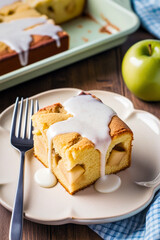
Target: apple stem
150	49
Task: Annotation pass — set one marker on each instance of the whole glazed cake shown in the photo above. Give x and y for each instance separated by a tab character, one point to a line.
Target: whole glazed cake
81	141
28	35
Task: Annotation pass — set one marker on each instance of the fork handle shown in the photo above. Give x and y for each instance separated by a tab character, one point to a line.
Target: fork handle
16	225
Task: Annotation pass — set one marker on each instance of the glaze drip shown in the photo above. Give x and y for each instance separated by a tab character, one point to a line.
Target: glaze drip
19	40
90	119
47	29
45	178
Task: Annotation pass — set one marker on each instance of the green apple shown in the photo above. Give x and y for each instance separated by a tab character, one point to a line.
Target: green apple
141	70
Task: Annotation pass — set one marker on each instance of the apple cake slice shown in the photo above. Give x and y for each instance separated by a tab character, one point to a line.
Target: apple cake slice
74	158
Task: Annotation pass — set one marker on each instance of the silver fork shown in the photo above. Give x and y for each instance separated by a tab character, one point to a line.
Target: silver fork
22	142
151	183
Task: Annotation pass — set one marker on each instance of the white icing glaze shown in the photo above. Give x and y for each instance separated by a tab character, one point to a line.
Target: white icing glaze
18	39
90	119
107	183
7	2
45	178
47	29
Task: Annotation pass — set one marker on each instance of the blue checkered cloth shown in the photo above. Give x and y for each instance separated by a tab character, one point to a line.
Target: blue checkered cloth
149	14
143	226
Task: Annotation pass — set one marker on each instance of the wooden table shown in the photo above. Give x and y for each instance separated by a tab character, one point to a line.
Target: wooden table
102	72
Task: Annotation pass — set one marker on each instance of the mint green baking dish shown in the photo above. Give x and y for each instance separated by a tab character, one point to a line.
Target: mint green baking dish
85	39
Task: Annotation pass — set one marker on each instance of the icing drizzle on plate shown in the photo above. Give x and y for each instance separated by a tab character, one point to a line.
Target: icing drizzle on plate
45	178
90	119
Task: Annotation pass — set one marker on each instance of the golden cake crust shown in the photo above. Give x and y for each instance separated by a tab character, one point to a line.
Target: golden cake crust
116	126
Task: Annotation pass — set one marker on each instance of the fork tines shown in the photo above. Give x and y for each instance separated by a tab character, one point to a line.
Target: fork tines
25	110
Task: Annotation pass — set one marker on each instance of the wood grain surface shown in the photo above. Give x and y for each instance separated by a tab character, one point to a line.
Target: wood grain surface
102	72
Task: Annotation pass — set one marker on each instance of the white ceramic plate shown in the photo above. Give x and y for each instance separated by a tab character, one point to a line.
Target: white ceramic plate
55	205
